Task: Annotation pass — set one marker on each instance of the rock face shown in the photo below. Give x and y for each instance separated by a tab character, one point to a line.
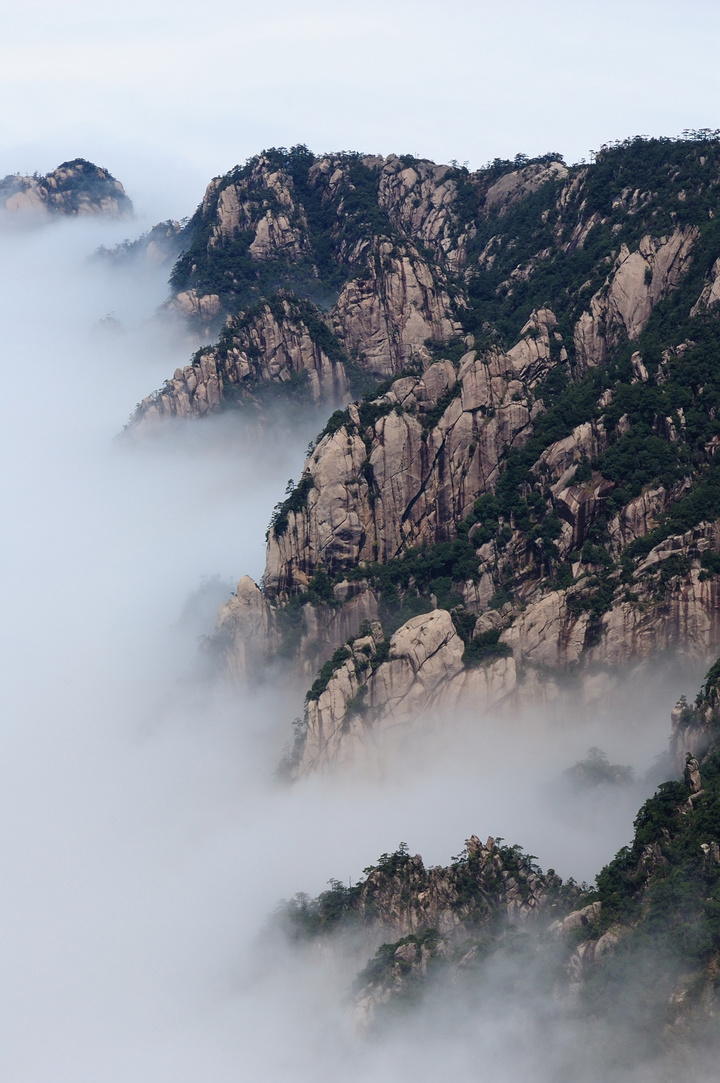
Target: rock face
397	256
74	188
532	493
637	282
403	480
423	671
514	186
158	247
372	243
426	675
710	295
385	318
695	727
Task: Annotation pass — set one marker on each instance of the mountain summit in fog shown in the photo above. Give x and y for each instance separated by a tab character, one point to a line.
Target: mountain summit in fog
74	188
634	956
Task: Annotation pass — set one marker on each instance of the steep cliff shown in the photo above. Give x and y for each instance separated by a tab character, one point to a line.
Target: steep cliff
374	249
396	254
74	188
486	521
532	490
275	348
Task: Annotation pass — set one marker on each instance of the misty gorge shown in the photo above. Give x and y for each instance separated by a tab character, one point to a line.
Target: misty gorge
476	633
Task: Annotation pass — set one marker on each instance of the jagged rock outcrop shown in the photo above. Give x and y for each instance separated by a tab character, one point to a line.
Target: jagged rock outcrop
401	480
400	255
420	199
695	728
637	282
74	188
514	186
386	317
426	674
534	487
710	295
450	914
371	690
257	354
247	629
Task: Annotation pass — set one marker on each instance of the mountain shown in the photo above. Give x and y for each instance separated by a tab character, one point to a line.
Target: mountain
637	952
74	188
160	245
527	488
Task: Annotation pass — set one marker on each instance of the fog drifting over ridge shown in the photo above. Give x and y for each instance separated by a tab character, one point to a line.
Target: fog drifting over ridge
143	838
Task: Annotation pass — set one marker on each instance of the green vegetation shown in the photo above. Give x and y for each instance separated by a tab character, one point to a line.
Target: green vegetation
340	655
537	233
295	502
596	770
485	647
386	966
657	434
305	918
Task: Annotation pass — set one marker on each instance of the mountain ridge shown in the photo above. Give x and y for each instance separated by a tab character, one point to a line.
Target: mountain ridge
527	489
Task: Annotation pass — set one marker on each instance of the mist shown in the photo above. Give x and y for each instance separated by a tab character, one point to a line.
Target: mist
144	839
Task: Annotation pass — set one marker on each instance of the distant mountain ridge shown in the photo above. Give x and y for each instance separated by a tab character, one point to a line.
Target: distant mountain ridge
75	188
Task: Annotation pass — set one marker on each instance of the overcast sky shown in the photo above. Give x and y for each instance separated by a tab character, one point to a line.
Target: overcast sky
149	86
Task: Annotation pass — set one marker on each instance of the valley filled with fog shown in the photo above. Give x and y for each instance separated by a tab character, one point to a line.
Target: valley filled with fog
144	836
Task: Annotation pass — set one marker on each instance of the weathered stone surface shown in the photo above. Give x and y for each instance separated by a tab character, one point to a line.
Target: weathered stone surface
420	200
710	295
514	186
189	303
577	919
406	469
424	674
637	518
268	349
384	318
247	629
637	282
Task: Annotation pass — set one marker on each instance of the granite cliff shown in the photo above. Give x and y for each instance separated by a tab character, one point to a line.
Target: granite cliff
637	952
526	489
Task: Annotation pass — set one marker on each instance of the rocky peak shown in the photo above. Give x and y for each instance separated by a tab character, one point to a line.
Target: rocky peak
74	188
532	488
281	344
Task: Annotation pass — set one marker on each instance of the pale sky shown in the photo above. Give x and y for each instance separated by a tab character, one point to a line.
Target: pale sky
156	90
